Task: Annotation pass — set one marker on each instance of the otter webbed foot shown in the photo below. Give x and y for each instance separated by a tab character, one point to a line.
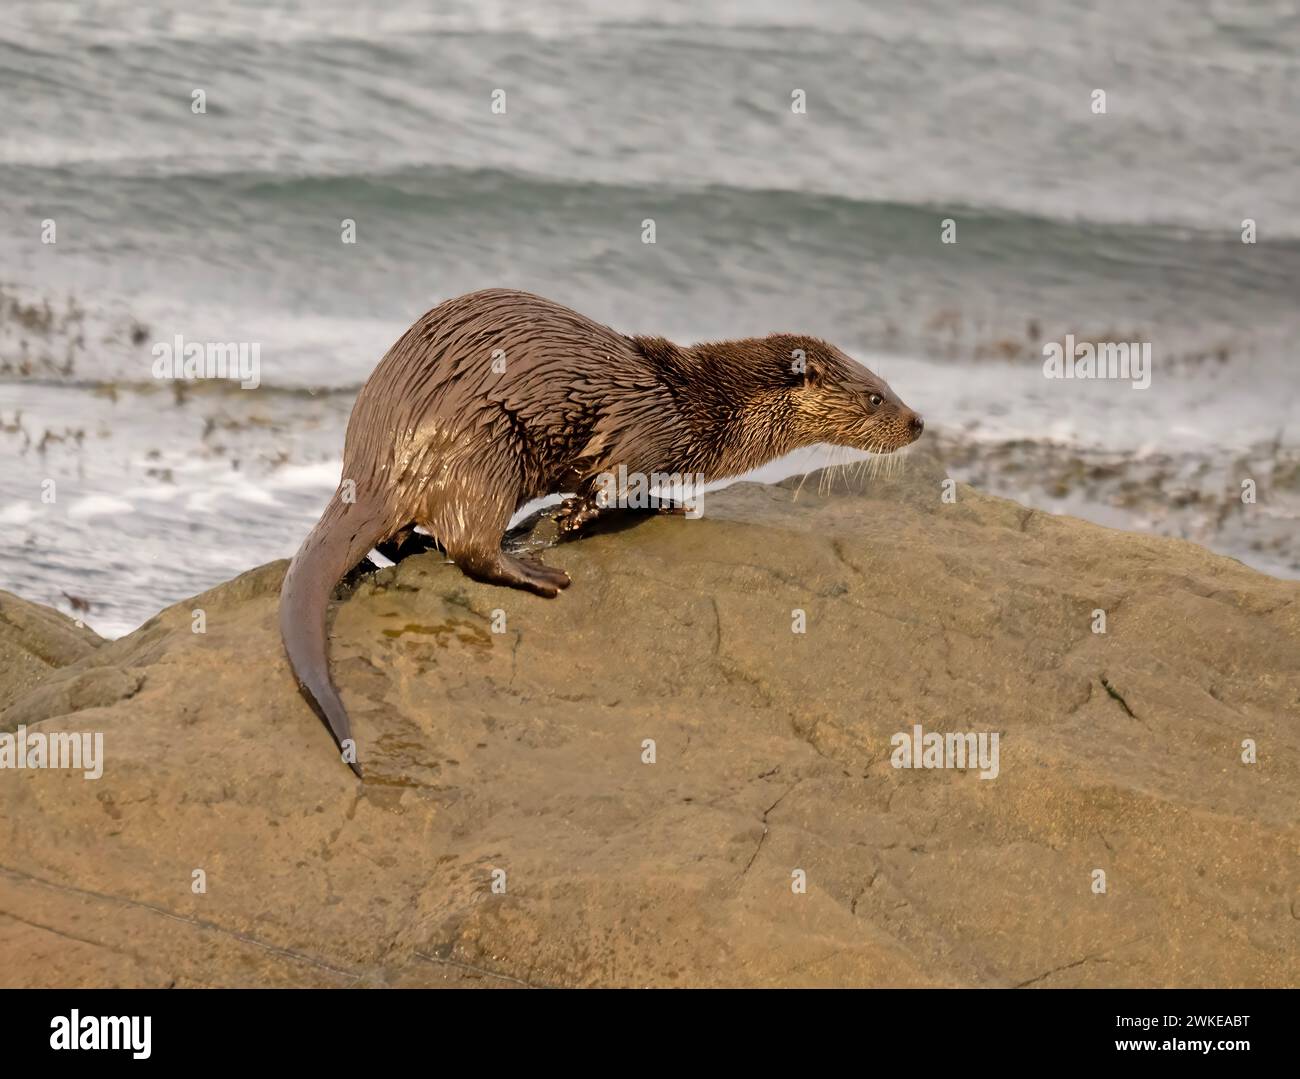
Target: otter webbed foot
538	577
527	573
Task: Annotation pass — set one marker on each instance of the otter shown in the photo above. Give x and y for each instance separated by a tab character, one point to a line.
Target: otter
498	397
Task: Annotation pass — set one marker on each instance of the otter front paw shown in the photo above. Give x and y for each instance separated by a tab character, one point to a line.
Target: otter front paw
574	514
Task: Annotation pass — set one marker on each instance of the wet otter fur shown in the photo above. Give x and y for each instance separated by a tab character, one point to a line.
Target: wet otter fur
498	397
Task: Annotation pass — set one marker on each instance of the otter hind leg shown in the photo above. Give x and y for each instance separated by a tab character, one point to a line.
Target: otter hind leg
471	529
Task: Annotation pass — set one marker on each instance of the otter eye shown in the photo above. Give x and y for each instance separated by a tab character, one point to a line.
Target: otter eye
875	400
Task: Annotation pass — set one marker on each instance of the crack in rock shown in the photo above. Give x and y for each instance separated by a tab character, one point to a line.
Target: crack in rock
1057	970
1115	695
470	967
761	838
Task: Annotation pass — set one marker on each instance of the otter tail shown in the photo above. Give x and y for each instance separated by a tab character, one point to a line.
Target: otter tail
341	538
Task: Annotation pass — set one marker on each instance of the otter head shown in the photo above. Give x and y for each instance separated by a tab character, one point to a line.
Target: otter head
835	399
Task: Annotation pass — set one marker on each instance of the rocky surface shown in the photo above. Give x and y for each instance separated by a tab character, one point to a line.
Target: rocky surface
519	757
34	642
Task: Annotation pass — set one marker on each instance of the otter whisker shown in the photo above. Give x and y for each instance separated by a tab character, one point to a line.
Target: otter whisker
827	485
832	473
802	480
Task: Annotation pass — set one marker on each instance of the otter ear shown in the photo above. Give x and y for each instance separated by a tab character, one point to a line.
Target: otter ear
805	369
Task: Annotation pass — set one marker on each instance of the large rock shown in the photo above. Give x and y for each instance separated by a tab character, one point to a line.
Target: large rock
523	752
35	642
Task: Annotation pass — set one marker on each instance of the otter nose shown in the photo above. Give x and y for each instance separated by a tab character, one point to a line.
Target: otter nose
917	424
